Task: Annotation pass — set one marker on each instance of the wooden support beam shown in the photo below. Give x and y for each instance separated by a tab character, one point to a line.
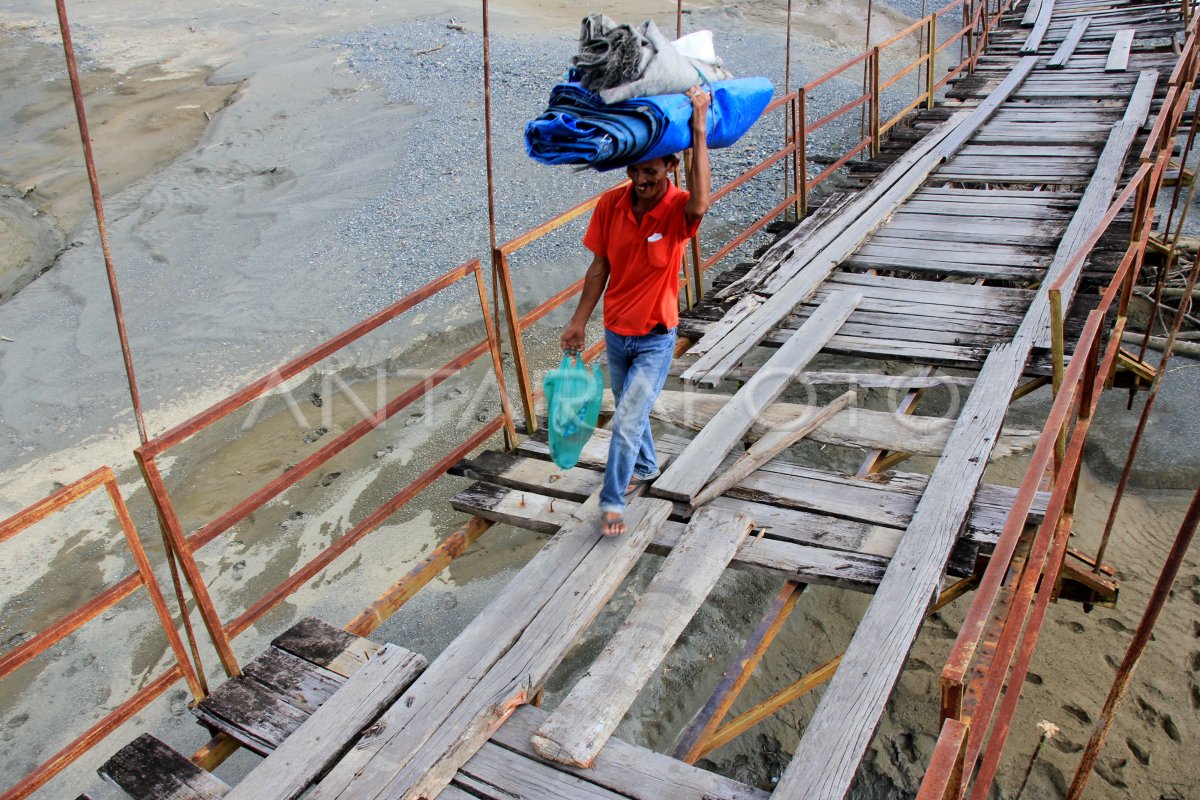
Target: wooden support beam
332	728
691	470
771	445
1063	54
1118	54
581	725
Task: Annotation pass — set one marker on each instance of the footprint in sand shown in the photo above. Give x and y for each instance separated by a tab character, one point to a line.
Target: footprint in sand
1142	754
1078	713
1066	745
1196	661
1114	625
1168	725
1109	769
1034	678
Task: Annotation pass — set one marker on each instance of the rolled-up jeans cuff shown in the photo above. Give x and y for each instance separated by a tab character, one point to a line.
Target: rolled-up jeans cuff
606	508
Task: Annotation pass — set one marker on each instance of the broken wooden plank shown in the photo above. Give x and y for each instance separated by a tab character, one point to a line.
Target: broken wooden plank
251	713
633	772
578	729
1034	40
1063	54
497	662
149	769
769	446
1118	54
332	728
688	473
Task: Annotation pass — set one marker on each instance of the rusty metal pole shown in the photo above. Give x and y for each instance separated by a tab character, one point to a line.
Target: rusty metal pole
789	126
509	441
98	203
1141	637
1119	493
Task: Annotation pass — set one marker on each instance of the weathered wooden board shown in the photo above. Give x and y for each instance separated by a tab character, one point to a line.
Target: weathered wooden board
320	643
332	728
687	474
1063	54
1040	26
768	447
630	771
578	729
148	769
1118	56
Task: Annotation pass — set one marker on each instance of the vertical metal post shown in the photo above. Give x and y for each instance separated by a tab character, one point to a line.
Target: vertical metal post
500	276
516	338
802	148
931	61
875	136
1058	355
789	125
85	138
493	339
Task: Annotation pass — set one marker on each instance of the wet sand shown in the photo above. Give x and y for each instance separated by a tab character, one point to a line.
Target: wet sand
214	224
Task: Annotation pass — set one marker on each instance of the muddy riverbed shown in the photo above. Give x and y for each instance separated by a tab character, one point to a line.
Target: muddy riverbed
277	172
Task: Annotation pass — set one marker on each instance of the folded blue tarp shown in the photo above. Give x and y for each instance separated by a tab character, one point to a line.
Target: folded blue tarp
578	128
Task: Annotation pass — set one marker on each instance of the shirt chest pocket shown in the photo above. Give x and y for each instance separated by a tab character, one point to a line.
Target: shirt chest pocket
658	251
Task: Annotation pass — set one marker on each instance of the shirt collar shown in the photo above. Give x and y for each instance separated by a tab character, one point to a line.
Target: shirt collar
660	207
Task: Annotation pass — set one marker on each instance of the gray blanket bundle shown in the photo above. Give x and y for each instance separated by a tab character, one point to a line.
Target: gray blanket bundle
618	62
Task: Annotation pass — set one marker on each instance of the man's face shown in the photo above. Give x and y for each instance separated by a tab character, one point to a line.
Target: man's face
649	178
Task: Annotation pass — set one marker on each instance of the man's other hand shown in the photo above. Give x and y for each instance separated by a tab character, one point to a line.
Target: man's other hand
700	102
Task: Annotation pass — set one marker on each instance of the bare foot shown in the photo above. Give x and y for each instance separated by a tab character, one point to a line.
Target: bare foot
614	524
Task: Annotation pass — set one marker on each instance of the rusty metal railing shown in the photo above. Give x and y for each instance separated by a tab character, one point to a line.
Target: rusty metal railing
40	642
185	544
992	652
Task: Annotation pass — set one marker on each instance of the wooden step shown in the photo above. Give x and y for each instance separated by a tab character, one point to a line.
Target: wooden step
149	769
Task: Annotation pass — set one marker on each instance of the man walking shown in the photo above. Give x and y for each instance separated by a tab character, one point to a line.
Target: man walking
637	236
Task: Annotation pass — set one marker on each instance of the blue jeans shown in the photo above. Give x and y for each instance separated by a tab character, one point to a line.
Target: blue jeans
637	369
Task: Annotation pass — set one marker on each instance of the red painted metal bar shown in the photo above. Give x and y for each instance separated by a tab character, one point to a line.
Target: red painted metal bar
302	362
737	241
370	523
76	619
85	138
306	466
943	777
841	112
1141	638
54	502
757	170
92	736
820	177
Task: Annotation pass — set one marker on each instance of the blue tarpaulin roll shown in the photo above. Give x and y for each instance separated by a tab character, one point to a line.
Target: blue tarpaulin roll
578	128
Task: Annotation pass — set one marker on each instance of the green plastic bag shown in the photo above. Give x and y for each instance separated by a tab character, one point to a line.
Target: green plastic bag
573	395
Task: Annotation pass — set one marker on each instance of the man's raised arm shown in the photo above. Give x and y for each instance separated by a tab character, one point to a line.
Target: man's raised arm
698	172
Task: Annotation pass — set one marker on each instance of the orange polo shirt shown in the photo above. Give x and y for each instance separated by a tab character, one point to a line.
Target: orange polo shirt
643	259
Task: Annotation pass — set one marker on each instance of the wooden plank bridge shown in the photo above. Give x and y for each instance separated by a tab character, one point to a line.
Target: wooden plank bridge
942	260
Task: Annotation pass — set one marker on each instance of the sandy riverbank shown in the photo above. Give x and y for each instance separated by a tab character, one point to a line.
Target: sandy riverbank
321	189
